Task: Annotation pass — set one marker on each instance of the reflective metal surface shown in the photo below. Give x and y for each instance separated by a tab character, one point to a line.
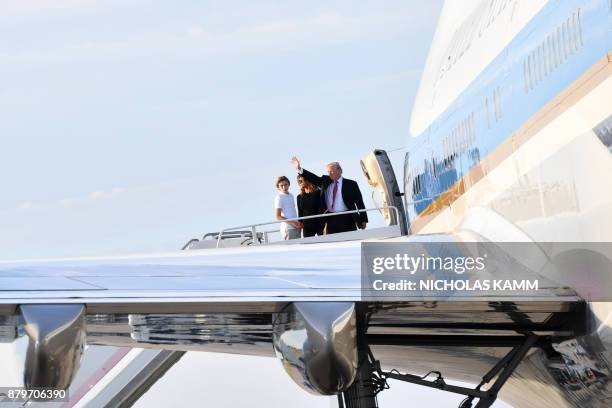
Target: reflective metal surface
317	345
245	333
246	275
315	340
234	300
56	339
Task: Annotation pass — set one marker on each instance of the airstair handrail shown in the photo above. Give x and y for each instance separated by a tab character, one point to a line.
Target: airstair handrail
191	241
253	227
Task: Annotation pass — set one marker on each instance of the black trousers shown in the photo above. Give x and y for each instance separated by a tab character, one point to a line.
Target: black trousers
312	227
340	223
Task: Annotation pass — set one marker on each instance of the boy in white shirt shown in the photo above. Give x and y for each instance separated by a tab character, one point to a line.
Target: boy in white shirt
284	207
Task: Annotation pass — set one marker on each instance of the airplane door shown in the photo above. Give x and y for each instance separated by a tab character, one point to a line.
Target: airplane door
379	172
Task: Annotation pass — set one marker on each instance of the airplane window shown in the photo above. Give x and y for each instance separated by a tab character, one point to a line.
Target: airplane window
470	128
496	104
566	50
530	71
580	42
576	31
459	137
433	167
564	40
534	68
541	73
549	55
536	71
559	45
473	124
526	87
544	59
572	32
553	50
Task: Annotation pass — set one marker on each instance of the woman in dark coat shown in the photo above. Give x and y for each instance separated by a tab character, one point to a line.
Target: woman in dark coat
308	203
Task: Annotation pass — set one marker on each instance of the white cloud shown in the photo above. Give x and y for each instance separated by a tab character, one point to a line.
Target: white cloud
100	194
17	8
196	41
96	195
66	202
25	205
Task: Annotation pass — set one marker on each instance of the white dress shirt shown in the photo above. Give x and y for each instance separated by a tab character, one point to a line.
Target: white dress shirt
329	196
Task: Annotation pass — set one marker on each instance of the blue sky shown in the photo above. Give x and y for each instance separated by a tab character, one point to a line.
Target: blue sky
133	126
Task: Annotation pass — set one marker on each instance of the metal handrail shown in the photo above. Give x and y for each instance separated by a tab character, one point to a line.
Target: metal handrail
235	234
191	241
252	227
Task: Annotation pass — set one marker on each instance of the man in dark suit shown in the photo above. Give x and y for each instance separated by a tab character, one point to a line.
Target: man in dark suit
337	194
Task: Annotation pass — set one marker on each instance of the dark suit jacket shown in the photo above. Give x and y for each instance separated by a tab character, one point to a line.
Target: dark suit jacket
351	195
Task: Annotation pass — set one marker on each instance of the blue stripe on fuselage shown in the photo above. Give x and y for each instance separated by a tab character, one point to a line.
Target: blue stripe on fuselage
467	131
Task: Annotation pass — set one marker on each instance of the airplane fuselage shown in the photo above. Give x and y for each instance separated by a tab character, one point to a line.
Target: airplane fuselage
523	152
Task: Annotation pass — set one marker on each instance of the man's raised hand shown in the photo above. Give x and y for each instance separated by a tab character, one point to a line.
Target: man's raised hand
296	163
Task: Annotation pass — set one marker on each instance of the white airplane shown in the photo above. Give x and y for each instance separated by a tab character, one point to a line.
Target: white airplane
511	142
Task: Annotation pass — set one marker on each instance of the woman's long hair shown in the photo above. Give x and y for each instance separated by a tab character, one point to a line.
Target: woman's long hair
305	184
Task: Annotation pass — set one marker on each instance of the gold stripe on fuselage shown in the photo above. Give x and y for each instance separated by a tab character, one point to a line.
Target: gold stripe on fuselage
553	109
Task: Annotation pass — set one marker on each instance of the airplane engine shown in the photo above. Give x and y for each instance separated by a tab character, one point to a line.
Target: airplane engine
56	340
317	345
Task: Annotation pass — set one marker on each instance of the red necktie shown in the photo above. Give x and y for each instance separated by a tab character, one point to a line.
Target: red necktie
334	194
